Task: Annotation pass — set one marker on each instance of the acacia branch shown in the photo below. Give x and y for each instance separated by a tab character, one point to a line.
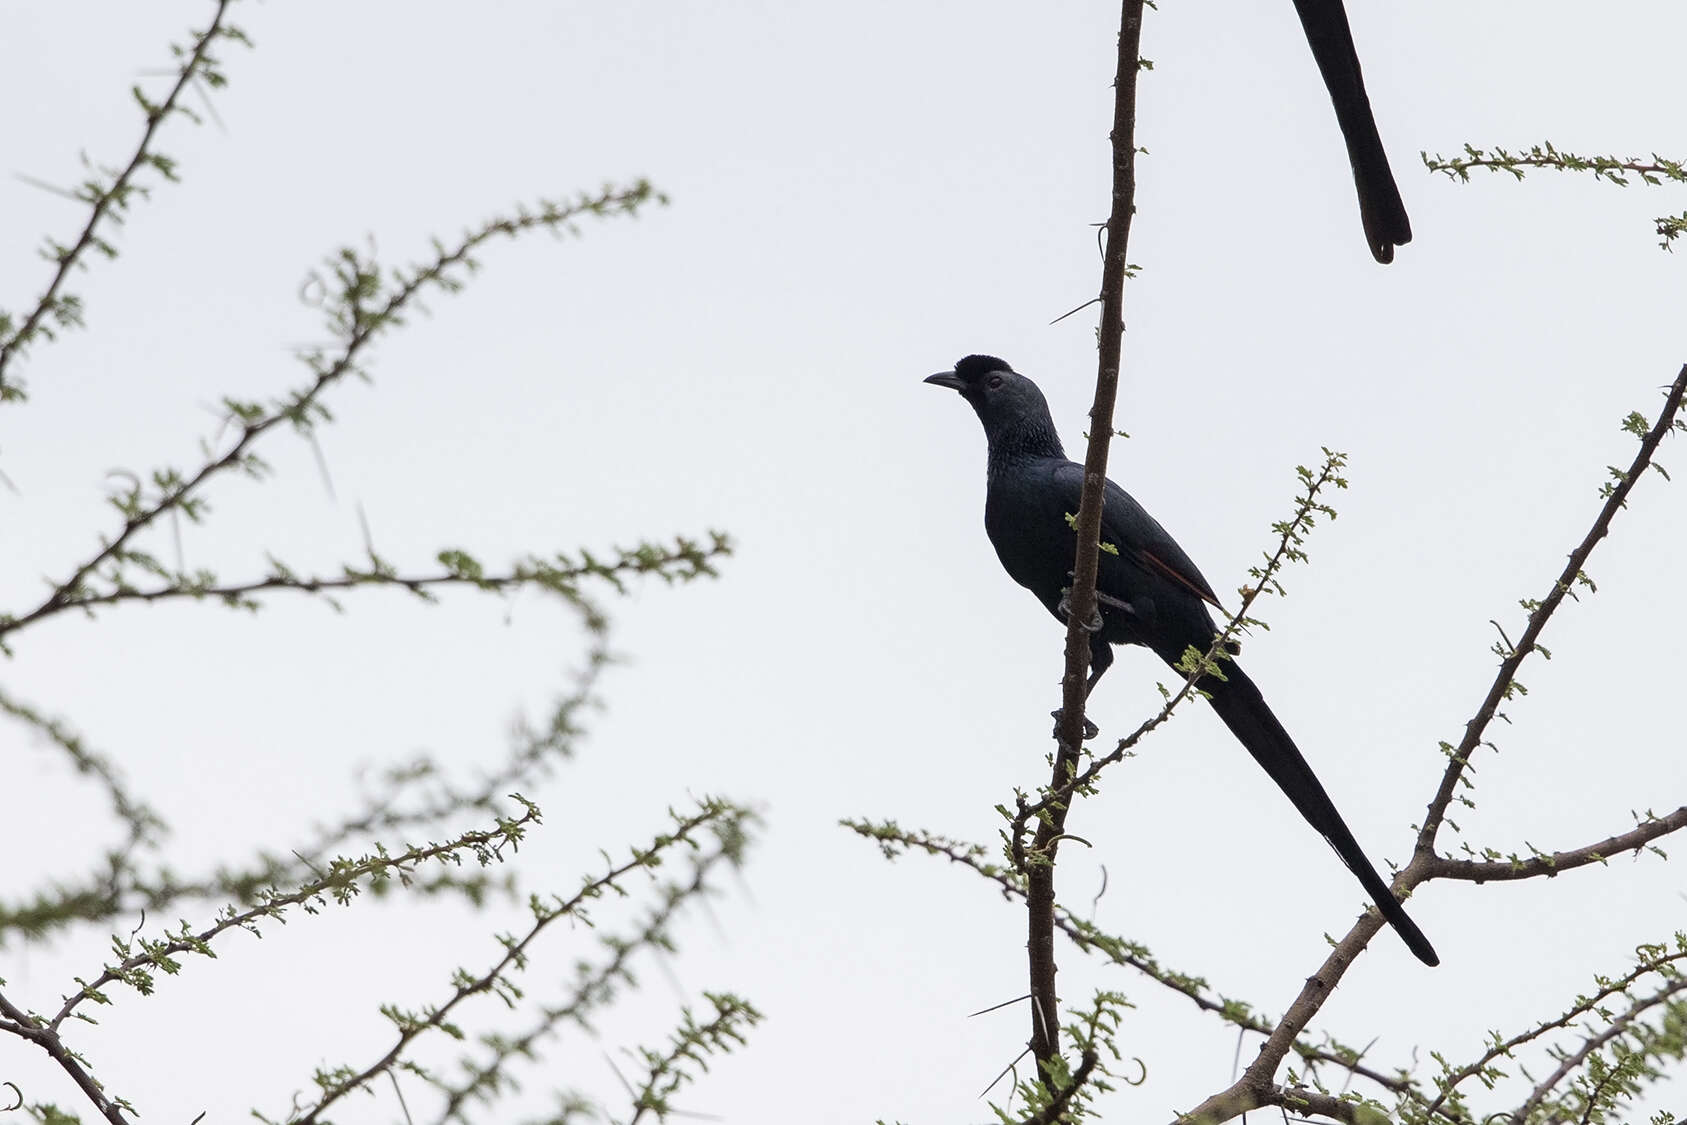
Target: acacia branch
728	819
893	839
1576	1059
1086	936
692	1042
143	824
357	325
27	1026
592	986
198	63
1045	1035
1252	1089
1505	679
1616	170
1549	864
533	752
1662	963
1055	1112
343	881
1299	1100
1295	1100
683	561
411	796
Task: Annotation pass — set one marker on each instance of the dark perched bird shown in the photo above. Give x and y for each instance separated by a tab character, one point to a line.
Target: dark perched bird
1380	207
1148	590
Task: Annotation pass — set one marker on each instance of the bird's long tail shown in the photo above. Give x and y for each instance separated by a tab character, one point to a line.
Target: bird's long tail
1239	703
1380	207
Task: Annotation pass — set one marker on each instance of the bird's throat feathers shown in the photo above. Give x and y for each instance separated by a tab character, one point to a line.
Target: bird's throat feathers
1014	441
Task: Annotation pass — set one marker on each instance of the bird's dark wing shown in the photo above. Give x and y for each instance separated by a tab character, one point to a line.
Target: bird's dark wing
1127	525
1381	210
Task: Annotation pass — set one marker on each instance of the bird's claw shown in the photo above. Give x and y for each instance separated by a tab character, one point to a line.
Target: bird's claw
1090	729
1102	598
1093	625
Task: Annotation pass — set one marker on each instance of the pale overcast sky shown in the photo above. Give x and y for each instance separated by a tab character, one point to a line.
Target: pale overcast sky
860	194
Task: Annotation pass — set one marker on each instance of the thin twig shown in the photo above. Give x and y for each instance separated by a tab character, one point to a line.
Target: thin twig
1526	644
1584	1005
117	193
359	326
1574	1060
343	880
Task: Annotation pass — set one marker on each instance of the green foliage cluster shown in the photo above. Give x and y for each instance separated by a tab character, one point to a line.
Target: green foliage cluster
1654	171
465	833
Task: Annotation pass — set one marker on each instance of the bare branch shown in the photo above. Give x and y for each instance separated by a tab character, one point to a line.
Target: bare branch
1045	1043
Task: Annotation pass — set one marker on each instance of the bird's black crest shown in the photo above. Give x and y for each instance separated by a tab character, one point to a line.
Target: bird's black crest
977	366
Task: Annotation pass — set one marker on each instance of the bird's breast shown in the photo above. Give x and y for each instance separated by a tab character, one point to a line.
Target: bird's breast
1033	540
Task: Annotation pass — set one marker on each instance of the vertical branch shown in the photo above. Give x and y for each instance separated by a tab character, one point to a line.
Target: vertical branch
1045	1020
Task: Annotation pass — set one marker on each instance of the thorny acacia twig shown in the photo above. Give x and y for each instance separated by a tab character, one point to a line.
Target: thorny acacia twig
343	881
1620	1026
1572	575
357	325
1592	1003
1616	170
686	559
726	819
110	201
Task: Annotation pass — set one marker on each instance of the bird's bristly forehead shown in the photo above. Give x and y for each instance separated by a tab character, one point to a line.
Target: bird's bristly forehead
977	366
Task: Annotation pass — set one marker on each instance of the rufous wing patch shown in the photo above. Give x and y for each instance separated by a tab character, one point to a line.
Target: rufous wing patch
1194	586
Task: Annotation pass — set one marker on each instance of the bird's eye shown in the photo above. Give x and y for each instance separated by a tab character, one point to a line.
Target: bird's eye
994	381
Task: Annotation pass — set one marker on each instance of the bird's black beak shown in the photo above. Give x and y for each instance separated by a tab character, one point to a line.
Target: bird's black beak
947	379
